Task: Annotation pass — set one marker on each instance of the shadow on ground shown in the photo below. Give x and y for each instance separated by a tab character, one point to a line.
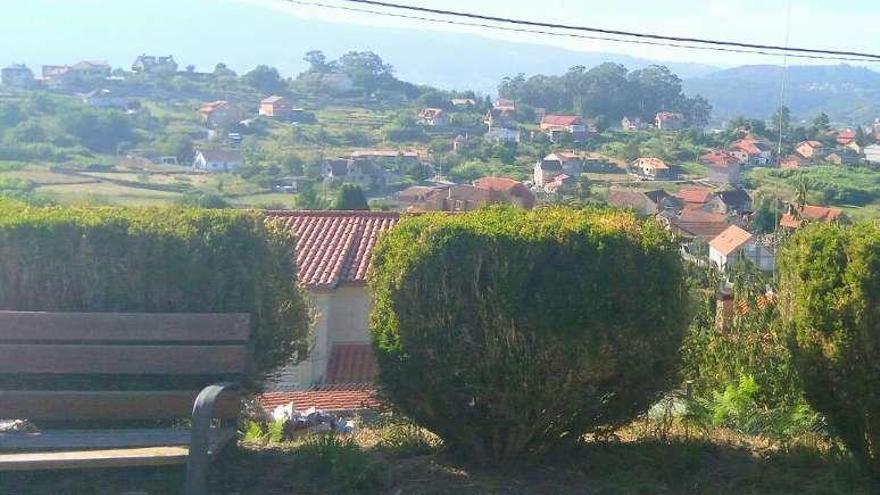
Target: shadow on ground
645	467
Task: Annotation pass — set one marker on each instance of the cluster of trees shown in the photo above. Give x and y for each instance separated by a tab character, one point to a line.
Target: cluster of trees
608	92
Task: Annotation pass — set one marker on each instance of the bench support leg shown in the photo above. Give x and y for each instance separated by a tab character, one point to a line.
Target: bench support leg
197	461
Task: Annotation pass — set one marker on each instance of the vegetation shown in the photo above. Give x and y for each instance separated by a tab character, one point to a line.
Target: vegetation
508	333
350	197
156	260
828	285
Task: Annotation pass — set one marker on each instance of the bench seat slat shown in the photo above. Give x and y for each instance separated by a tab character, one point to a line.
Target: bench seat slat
122	359
152	456
61	440
132	327
67	405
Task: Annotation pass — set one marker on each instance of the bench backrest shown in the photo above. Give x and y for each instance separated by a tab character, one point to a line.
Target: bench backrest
195	349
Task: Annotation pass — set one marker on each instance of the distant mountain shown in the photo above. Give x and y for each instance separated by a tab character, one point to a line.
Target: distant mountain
848	94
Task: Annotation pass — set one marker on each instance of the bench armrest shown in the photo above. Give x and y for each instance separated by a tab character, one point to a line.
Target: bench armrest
203	413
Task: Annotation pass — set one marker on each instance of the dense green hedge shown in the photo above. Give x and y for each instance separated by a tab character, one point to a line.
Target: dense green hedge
830	303
507	332
155	260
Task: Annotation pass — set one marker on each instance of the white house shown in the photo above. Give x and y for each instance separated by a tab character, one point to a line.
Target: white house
736	243
335	273
218	160
650	168
872	153
547	170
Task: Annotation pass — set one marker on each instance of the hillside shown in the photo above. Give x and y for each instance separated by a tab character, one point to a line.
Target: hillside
847	94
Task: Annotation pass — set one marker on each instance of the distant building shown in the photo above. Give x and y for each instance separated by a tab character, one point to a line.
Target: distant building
463	102
433	117
105	98
843	156
218	160
809	213
547	170
691	224
91	68
275	107
810	149
17	76
504	118
695	197
845	137
872	153
514	191
643	203
557	125
732	202
503	135
724	168
219	113
632	124
792	162
752	151
154	64
738	244
461	142
669	121
650	168
572	162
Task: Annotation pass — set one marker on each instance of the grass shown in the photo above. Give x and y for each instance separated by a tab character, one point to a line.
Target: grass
398	458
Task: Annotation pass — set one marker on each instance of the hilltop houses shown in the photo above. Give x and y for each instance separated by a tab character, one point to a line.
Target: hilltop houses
218	160
149	64
752	151
633	124
642	203
650	168
17	76
467	197
793	219
370	168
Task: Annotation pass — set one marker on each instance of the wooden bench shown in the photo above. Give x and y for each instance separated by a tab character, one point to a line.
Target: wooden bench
88	358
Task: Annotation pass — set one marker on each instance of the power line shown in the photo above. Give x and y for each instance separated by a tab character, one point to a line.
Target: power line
612	31
568	35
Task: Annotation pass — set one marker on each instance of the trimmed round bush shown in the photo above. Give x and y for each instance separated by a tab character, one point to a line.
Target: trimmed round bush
830	305
508	332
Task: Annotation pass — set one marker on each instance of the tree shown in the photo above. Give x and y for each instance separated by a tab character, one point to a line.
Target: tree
830	305
222	70
780	123
190	68
820	126
366	70
265	78
503	353
350	197
318	62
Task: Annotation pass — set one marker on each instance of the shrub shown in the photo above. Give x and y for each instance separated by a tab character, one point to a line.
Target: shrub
343	462
508	332
830	303
155	260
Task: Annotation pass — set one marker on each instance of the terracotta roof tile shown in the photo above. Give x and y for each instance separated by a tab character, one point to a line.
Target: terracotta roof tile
563	120
335	247
351	363
730	240
696	196
327	399
810	212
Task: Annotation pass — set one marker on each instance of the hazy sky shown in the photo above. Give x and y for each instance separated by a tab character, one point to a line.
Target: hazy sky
238	31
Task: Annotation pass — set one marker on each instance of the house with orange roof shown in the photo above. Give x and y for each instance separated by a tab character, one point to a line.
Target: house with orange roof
650	168
514	191
809	213
219	113
695	197
752	151
557	125
275	107
333	254
734	244
845	137
691	224
724	168
792	162
809	149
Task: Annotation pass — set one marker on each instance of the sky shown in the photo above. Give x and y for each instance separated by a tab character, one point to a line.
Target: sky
243	33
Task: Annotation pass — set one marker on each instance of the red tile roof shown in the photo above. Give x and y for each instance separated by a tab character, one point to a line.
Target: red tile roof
810	212
324	398
351	363
730	240
699	223
561	120
334	247
651	162
749	146
695	196
718	158
503	184
846	136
